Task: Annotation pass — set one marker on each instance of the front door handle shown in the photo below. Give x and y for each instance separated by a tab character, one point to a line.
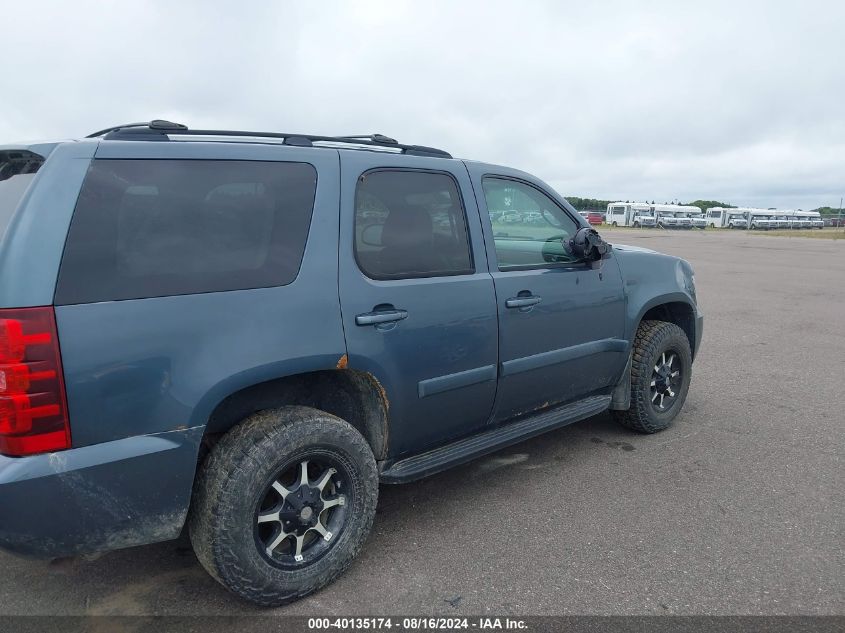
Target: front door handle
522	302
381	316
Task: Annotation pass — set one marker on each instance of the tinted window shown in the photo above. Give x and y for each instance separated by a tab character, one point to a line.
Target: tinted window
151	228
17	171
529	228
410	224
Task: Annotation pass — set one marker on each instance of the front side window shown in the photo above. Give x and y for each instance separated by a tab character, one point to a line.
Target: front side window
410	224
152	228
529	228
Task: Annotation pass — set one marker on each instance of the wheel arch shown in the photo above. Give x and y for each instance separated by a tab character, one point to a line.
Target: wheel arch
353	395
672	309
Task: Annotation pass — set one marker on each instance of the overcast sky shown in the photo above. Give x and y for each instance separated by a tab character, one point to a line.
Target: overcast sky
737	101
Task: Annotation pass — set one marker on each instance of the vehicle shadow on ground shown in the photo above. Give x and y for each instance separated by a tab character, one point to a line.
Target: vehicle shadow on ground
166	578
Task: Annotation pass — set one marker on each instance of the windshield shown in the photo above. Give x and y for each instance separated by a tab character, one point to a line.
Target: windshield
17	170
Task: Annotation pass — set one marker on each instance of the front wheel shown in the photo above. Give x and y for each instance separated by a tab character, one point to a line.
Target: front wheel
636	225
283	504
661	369
614	224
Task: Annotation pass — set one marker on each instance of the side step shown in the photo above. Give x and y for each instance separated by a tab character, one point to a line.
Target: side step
469	448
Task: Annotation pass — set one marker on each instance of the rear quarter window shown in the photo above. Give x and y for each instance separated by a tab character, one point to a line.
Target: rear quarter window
153	228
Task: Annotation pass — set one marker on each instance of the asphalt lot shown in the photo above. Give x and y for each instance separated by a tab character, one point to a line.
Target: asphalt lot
736	509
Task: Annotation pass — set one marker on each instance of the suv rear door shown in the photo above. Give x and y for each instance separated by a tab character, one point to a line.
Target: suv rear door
418	303
561	323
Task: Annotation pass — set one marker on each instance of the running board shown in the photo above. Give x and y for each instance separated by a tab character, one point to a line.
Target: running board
469	448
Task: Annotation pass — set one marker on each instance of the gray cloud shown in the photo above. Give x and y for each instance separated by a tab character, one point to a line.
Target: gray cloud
739	101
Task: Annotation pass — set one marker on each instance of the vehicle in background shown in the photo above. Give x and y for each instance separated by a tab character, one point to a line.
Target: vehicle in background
634	214
810	219
751	218
779	220
737	219
674	216
797	220
595	218
717	217
760	219
698	220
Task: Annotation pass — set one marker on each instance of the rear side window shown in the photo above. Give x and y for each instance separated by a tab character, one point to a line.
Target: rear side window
153	228
410	224
17	170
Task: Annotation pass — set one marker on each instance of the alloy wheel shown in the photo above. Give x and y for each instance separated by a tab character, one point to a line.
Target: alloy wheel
666	381
302	512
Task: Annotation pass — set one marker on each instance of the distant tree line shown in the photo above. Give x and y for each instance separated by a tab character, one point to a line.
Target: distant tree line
709	204
829	211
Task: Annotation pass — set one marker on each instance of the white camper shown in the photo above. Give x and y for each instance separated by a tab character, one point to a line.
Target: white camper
635	214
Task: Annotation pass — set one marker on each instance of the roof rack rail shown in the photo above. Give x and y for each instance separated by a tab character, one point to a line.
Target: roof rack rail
158	130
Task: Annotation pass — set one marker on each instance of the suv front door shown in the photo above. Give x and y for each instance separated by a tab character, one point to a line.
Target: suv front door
418	302
561	322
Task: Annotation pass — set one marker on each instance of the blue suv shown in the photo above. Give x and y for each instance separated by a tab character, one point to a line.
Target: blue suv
245	333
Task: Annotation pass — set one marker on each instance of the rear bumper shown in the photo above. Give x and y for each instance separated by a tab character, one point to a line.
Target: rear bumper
95	498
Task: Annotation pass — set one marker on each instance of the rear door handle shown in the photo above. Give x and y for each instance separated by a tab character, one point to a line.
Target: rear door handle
522	302
381	316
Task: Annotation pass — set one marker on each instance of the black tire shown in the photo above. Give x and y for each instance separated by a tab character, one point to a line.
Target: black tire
237	478
615	224
654	338
636	225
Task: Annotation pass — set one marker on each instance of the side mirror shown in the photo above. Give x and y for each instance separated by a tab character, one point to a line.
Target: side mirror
587	245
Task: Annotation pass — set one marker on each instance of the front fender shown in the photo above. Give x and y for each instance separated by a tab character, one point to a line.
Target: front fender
652	279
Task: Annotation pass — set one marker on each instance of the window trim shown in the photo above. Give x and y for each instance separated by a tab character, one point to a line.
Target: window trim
404	277
524	267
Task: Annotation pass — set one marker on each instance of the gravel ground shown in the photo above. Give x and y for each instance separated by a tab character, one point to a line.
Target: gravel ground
736	509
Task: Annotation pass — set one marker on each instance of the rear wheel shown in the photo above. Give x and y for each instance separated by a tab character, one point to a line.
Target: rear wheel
661	369
283	504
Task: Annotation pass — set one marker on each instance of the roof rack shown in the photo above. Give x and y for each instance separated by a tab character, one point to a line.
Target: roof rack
159	130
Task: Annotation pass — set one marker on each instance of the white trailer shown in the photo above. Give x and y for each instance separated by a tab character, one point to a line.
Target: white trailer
635	214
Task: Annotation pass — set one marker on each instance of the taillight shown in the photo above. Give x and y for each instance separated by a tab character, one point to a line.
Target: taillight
33	407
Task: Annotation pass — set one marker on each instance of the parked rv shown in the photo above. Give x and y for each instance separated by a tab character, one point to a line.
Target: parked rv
674	216
779	220
760	219
810	219
635	214
698	220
